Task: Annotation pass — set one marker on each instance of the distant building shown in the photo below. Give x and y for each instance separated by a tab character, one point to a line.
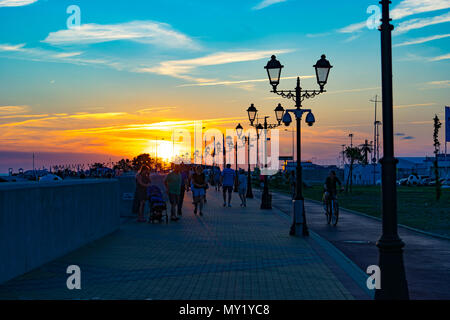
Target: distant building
364	174
314	173
371	174
427	167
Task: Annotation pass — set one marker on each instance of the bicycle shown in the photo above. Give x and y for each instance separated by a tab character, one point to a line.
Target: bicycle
332	210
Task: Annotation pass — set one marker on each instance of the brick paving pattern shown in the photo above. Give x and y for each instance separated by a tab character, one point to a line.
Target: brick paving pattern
229	253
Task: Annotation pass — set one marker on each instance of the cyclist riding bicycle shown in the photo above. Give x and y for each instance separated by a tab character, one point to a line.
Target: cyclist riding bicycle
330	186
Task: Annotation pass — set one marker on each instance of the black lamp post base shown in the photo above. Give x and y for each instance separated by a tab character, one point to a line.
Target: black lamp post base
266	202
394	285
299	226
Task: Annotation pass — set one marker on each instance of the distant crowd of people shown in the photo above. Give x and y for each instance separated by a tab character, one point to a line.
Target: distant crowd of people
183	179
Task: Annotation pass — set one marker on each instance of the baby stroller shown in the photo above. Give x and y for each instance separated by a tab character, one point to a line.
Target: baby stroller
158	207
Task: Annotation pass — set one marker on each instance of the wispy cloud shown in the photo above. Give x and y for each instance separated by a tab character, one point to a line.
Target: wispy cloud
420	23
440	84
183	68
226	83
67	54
267	3
353	27
11	47
439	58
354	90
410	7
157	109
422	40
404	106
150	32
16	3
19	51
10	110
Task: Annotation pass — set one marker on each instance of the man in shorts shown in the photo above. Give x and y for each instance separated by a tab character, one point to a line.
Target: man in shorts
228	176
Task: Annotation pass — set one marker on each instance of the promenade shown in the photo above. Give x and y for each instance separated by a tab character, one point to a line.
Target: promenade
229	253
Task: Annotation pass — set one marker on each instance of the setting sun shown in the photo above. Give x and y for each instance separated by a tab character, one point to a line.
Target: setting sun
162	149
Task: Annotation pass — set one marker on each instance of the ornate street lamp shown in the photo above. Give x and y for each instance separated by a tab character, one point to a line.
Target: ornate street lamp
239	130
279	112
249	194
252	113
274	68
259	130
266	199
323	68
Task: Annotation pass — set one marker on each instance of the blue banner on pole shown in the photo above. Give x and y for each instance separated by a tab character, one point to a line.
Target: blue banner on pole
447	124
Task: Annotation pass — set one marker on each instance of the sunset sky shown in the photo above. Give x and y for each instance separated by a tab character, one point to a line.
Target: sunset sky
134	70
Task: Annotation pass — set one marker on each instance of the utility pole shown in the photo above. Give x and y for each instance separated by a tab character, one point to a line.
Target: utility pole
376	134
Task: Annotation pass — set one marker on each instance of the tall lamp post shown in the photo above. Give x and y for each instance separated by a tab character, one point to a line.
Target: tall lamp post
394	284
239	130
259	130
266	199
274	68
236	181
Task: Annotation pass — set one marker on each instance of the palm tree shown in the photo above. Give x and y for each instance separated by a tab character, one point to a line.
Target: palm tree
353	154
366	148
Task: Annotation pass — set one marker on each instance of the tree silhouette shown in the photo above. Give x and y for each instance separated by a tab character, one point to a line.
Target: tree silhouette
366	148
97	165
353	154
437	145
141	160
124	165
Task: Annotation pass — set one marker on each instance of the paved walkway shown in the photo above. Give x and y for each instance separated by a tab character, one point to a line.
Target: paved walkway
230	253
427	258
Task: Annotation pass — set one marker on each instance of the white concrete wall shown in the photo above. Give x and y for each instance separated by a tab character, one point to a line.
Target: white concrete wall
42	221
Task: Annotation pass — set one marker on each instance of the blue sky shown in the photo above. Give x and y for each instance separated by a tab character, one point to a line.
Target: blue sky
190	60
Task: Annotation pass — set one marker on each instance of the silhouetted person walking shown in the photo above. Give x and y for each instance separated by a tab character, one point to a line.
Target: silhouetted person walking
242	179
173	186
198	186
142	183
228	176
